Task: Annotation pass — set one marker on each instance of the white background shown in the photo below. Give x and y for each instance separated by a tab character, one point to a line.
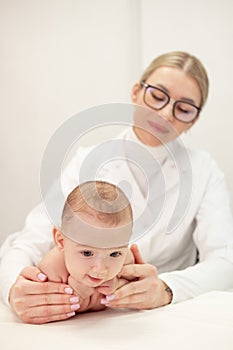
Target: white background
59	57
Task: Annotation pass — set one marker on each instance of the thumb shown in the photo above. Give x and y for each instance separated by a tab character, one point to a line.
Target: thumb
137	255
33	273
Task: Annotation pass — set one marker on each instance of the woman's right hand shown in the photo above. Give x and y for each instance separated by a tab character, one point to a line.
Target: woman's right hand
34	300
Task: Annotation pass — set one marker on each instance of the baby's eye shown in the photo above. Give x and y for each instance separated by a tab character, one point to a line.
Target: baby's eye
115	254
87	253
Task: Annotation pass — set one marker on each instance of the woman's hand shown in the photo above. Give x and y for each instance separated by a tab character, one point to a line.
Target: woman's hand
147	291
36	301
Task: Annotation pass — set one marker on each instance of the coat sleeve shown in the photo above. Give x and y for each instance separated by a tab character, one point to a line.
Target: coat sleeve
28	246
213	237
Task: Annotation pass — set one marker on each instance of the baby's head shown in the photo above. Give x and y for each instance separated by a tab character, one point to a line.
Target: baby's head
96	227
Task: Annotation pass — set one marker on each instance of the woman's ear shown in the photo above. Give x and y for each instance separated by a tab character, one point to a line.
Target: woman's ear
58	238
134	92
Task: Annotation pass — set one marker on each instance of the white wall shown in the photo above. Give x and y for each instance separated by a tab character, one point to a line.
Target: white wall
57	58
53	51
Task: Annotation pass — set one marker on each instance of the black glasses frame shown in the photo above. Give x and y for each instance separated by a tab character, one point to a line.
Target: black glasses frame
146	86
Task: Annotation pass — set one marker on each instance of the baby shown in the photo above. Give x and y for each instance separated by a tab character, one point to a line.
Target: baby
91	246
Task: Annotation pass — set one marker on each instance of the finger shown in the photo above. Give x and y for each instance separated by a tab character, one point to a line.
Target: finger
53	318
30	287
137	255
130	289
132	301
135	306
51	299
139	271
49	311
32	273
125	294
129	301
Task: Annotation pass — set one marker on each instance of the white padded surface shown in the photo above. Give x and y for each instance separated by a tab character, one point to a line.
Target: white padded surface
205	322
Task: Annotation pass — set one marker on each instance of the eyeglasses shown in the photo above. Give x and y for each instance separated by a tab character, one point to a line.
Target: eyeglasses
157	99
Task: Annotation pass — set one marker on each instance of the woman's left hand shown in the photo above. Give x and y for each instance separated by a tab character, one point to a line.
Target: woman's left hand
147	291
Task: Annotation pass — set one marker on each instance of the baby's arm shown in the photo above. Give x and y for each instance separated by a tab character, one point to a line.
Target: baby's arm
53	266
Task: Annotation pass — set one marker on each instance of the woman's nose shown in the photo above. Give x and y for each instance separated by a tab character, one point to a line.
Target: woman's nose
166	113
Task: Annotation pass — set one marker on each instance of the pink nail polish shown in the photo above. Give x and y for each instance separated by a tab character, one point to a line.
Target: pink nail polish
74	300
70	314
103	301
110	297
68	290
75	307
42	277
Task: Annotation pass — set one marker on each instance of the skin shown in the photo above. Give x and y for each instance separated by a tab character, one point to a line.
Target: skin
179	86
95	265
30	298
36	301
93	269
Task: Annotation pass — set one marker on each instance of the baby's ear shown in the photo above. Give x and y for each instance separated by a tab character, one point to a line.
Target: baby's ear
58	238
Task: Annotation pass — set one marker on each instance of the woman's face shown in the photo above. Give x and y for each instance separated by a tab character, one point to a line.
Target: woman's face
155	127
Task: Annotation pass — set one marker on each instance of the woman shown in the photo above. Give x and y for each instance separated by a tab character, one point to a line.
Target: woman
195	258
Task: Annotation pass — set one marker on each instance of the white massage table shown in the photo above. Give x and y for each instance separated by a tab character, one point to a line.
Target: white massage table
205	322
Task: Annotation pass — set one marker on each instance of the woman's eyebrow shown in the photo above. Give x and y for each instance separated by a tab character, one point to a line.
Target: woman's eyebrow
186	99
182	98
163	87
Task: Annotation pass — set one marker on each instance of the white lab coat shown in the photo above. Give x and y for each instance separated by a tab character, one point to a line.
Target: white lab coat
196	257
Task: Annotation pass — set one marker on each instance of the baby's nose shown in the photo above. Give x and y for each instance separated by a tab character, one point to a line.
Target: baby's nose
99	266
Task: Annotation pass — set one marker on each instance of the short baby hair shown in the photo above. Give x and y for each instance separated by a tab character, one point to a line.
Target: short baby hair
102	198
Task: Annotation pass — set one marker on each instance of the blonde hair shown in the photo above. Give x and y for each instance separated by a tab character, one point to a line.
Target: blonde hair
103	198
187	63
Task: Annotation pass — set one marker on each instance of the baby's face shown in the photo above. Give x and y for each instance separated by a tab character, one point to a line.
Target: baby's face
93	266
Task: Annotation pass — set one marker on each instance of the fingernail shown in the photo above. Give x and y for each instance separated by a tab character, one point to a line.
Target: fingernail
75	307
42	277
110	297
74	300
68	290
70	314
103	301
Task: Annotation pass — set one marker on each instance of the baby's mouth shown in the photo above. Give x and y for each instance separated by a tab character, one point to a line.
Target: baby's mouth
94	279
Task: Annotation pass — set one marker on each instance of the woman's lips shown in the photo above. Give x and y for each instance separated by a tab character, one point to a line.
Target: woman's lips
159	128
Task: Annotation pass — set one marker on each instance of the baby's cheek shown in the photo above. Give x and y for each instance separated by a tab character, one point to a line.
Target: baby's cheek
116	268
73	271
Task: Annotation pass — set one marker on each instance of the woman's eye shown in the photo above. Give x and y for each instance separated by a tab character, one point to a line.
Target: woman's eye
87	253
185	111
158	98
115	254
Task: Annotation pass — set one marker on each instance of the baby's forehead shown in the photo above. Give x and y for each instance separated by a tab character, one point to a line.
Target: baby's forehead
86	229
88	247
